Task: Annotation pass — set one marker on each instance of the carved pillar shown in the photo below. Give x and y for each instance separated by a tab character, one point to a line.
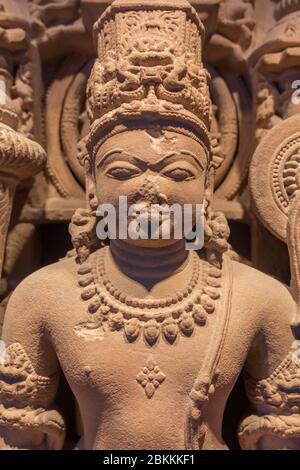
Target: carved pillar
7	191
20	156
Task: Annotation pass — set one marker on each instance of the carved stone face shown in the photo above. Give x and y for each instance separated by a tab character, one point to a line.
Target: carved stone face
151	167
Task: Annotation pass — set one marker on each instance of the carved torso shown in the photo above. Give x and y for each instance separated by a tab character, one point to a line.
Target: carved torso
104	376
110	377
143	392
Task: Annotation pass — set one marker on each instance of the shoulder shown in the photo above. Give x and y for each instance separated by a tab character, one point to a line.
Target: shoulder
269	299
267	308
39	293
43	281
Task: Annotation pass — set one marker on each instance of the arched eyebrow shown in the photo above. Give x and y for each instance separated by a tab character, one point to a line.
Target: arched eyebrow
162	161
185	153
192	155
108	154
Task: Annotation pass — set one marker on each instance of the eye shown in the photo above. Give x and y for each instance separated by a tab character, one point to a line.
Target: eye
123	172
179	174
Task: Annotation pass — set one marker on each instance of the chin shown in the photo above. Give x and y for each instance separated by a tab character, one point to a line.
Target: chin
160	243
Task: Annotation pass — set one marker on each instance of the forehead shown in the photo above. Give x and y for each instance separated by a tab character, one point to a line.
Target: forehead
150	145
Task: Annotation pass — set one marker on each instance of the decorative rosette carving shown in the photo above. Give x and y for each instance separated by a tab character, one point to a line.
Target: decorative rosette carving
275	175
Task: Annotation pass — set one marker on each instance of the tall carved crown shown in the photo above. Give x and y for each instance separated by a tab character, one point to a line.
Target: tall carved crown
149	68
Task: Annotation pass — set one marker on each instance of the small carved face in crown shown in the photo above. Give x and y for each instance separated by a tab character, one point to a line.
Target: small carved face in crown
151	167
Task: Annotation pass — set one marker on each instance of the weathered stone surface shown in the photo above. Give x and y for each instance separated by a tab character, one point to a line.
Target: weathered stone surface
168	104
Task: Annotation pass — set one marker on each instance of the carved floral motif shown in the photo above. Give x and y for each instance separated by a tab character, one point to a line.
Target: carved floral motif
150	377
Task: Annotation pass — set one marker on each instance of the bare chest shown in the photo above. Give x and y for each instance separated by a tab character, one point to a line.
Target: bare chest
107	368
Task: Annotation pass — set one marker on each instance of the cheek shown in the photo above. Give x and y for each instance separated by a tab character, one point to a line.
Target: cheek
109	190
105	189
188	192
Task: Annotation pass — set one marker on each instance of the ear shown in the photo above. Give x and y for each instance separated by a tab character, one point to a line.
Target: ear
90	187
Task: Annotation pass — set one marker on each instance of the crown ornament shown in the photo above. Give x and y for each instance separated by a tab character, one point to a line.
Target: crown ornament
148	69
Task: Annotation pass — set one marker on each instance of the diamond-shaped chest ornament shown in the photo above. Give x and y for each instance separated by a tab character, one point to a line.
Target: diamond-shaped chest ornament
150	377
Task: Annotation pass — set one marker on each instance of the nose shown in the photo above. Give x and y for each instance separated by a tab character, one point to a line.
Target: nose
151	188
150	184
151	175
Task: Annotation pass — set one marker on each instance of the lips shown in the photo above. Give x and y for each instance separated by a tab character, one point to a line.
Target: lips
151	218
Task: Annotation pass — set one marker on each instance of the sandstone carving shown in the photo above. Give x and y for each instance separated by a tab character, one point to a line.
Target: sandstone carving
150	377
192	106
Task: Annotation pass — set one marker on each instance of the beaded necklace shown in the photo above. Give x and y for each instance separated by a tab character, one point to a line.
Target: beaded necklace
114	310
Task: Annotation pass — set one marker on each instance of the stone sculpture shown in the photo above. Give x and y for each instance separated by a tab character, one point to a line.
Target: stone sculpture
151	337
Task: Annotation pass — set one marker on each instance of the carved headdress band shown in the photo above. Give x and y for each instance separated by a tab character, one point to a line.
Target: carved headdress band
149	69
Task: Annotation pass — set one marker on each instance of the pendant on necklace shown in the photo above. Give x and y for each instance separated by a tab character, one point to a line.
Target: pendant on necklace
110	309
